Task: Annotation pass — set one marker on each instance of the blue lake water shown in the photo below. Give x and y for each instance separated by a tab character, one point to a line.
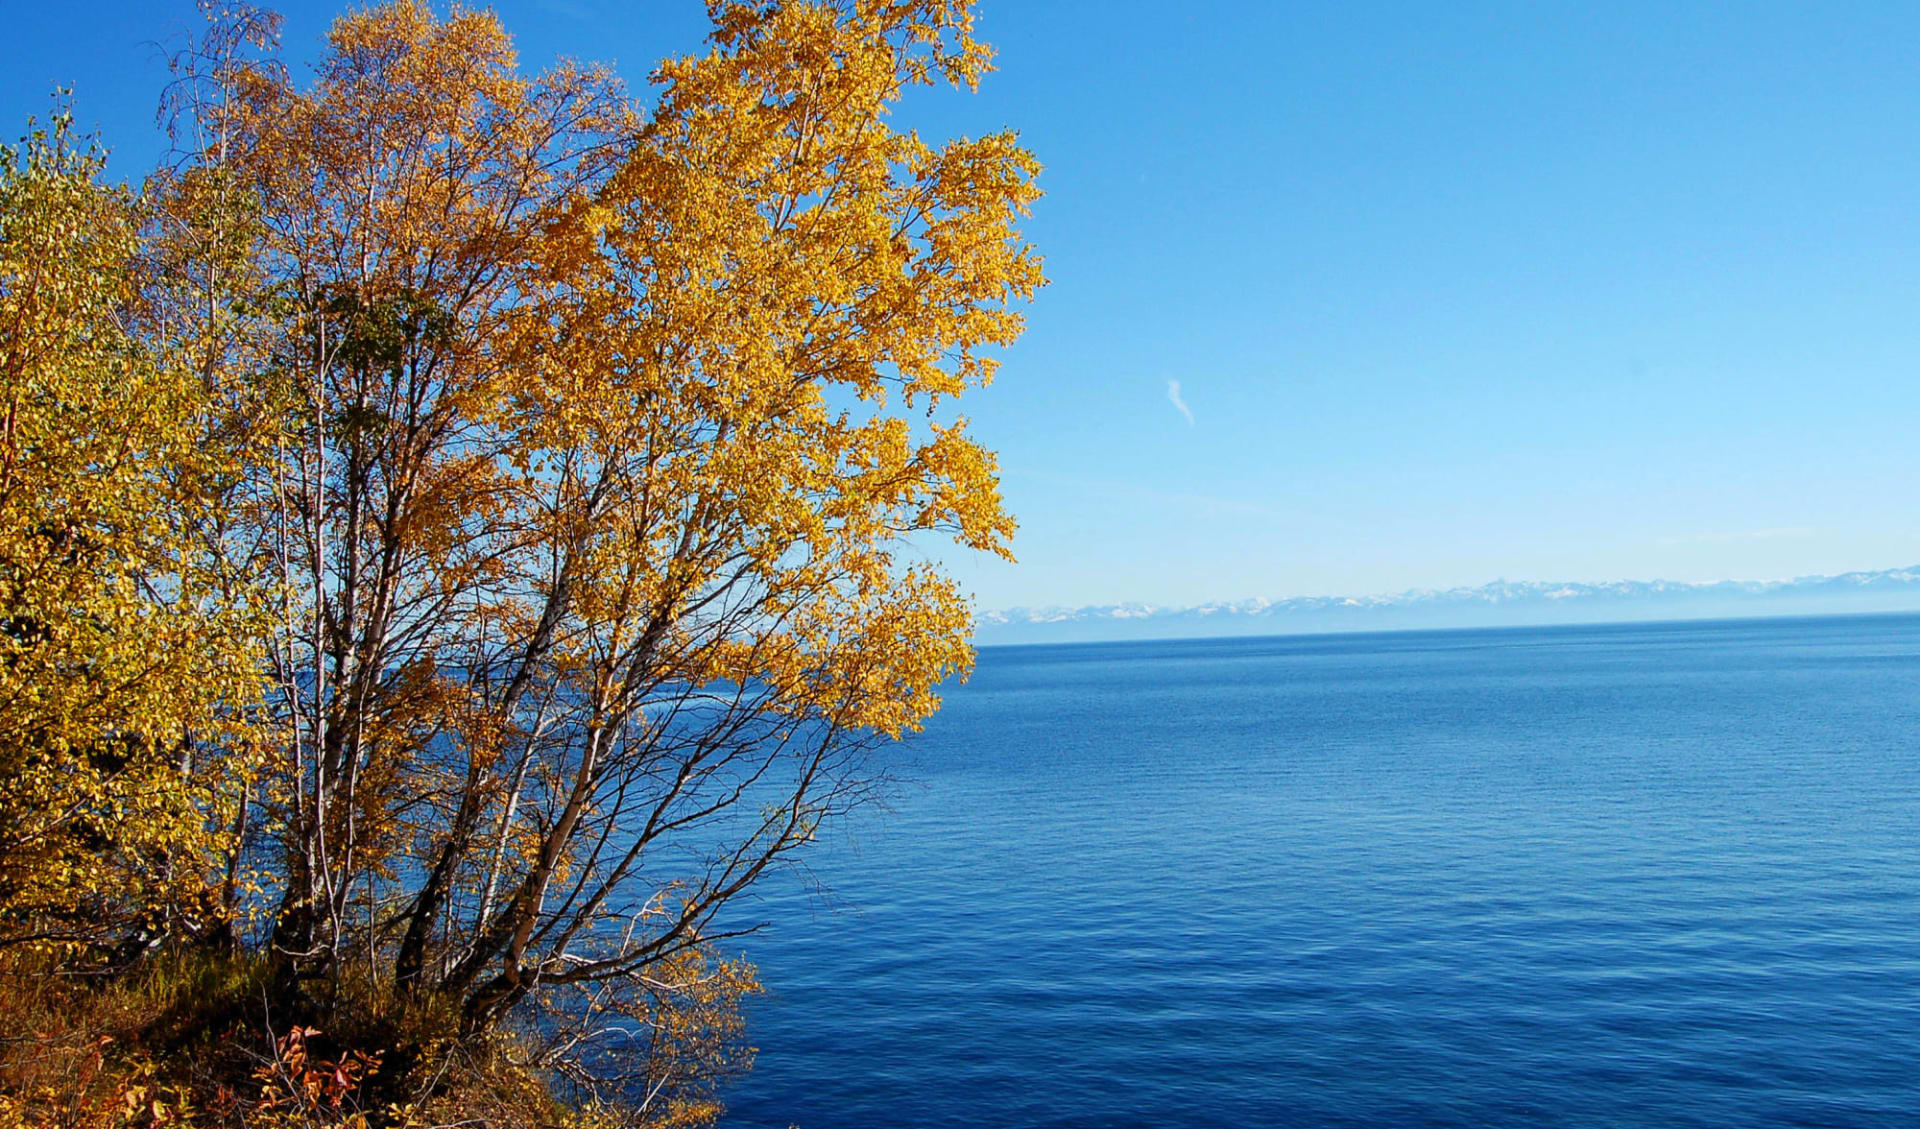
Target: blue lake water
1661	875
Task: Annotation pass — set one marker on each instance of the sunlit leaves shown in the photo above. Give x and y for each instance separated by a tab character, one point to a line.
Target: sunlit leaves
125	656
553	461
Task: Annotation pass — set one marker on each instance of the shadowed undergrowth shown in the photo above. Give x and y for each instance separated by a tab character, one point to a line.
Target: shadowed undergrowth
216	1040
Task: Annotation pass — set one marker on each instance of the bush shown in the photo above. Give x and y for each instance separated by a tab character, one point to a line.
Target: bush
214	1039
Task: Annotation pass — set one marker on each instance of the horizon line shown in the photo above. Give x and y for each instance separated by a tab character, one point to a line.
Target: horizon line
1154	609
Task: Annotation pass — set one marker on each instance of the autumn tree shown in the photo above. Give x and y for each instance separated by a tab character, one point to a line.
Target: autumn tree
594	435
126	641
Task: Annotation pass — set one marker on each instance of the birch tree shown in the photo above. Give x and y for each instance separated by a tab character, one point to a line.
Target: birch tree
597	432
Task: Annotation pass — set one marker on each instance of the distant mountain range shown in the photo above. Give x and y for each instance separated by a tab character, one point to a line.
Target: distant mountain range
1502	603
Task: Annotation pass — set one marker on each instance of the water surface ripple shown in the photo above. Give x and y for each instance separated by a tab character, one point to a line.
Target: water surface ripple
1611	876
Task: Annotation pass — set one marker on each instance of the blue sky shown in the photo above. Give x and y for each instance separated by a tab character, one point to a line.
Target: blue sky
1451	292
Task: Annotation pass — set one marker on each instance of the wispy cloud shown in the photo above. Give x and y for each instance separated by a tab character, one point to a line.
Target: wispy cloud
1173	394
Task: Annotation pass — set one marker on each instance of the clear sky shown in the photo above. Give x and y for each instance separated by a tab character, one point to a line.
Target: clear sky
1449	292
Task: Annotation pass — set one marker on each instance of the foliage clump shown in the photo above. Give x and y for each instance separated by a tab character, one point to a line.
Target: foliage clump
124	658
454	540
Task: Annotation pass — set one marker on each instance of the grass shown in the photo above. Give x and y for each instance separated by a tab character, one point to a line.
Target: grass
213	1039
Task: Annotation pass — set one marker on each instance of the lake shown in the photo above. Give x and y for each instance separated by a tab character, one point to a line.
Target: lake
1642	875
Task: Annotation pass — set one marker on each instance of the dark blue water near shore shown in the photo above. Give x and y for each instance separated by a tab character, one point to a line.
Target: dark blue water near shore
1615	876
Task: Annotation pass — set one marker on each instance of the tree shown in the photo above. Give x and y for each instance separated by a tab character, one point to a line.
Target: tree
594	438
126	651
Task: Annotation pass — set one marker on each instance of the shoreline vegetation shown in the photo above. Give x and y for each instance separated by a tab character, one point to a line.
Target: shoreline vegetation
454	541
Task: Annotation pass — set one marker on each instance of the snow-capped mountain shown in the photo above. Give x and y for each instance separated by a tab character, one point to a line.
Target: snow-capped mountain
1499	604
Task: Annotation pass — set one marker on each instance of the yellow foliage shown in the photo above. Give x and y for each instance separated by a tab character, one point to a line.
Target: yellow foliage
124	657
600	436
490	501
